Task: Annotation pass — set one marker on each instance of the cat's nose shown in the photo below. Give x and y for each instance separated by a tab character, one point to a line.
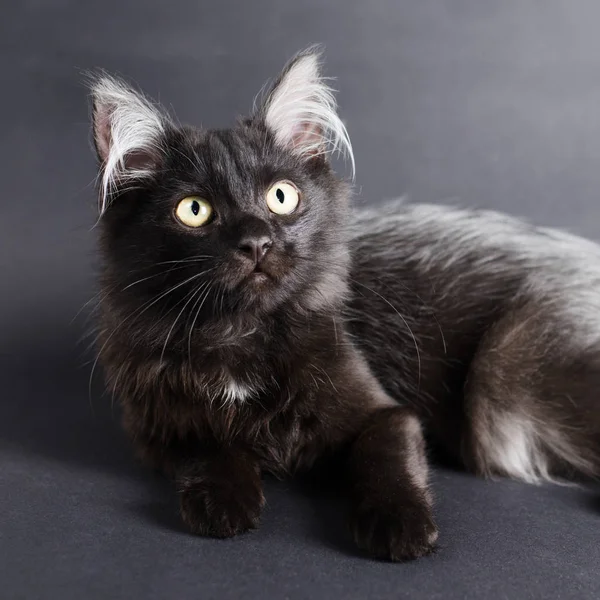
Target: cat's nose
255	247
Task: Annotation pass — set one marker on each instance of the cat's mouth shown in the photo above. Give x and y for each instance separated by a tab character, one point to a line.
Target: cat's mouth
259	274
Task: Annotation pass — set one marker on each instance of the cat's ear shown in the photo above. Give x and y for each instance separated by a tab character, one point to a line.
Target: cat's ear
301	112
128	131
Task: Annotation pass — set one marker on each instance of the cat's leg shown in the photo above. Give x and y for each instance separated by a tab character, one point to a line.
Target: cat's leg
392	505
219	486
221	493
387	471
532	398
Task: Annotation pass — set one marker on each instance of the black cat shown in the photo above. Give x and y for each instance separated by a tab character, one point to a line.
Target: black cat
251	321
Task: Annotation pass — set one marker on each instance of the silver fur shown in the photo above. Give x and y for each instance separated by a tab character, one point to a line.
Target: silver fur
126	123
466	256
302	111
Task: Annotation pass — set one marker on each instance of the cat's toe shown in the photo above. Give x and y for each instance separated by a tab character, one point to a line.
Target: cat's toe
220	515
402	535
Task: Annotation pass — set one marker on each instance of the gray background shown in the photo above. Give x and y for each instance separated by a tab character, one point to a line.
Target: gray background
493	104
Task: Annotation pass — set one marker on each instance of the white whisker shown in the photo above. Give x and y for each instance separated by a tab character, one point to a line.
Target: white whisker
403	320
192	296
209	287
141	311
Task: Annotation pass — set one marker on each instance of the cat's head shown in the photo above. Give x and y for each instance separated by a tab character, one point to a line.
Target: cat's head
242	219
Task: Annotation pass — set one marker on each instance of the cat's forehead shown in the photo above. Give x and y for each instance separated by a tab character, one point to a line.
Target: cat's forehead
236	150
232	158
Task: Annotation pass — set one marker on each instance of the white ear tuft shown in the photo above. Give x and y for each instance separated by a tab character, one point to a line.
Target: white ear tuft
127	134
301	110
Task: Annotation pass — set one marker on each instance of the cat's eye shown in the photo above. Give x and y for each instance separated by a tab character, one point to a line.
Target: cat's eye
194	211
283	198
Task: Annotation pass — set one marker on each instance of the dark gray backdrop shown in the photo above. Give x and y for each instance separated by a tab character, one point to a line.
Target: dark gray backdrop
493	104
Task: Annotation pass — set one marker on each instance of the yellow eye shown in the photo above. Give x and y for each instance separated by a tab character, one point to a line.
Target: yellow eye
194	211
282	198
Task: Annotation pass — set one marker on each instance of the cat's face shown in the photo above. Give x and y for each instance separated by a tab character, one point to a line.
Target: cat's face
208	222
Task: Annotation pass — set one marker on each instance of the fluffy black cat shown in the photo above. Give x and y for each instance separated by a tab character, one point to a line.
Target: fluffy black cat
252	322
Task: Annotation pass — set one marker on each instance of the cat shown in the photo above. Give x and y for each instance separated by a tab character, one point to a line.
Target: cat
252	322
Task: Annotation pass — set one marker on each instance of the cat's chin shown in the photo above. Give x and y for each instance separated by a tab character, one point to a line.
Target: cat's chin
258	286
258	278
258	289
262	293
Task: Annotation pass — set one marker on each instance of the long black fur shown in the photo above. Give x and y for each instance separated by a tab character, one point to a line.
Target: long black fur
367	331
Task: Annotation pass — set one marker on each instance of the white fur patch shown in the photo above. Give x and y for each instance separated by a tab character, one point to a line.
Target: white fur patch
302	112
234	391
511	447
228	390
125	124
521	447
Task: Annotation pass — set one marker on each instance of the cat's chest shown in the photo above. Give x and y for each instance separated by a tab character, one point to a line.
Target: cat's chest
242	373
268	402
229	385
234	378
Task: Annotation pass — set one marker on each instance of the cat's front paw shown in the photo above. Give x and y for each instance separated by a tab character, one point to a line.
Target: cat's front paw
399	535
221	511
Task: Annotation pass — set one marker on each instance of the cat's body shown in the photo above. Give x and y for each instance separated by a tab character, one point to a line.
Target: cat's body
264	337
499	334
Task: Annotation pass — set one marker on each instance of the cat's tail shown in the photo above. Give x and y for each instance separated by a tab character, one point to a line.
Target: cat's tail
532	401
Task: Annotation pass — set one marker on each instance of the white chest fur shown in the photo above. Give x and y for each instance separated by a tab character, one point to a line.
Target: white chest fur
230	389
234	390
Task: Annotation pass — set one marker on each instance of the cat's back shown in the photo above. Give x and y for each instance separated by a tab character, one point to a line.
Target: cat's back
429	283
478	252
